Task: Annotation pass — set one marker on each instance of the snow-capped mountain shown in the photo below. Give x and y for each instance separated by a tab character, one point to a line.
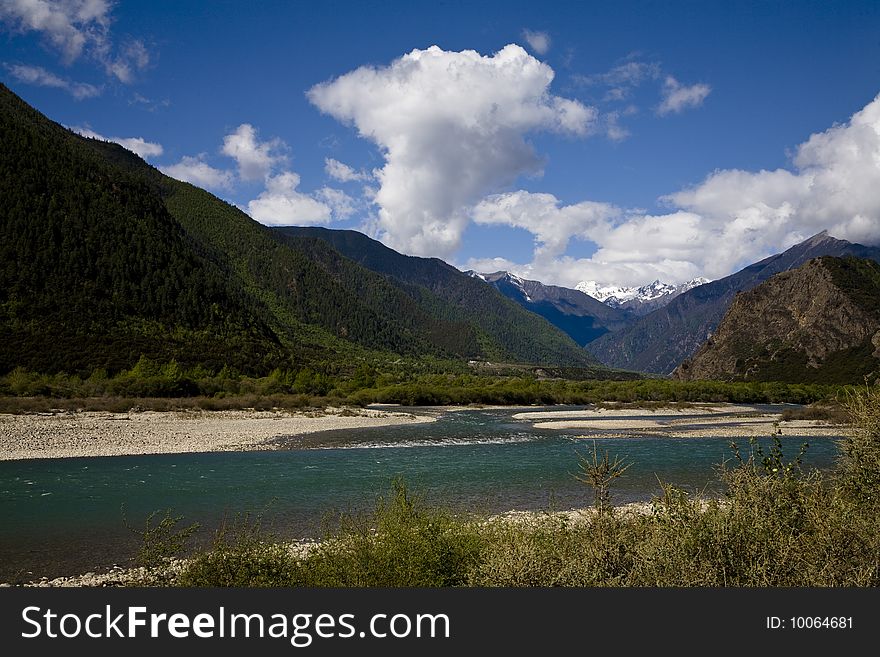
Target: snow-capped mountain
582	317
640	300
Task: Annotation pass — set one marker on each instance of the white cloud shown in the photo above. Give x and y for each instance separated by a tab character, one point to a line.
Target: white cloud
198	172
731	219
281	204
490	265
452	128
538	41
68	25
342	172
833	186
341	204
255	159
632	249
138	145
553	226
40	77
74	27
148	104
678	97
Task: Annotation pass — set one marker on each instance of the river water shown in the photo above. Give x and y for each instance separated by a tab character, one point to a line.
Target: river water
62	516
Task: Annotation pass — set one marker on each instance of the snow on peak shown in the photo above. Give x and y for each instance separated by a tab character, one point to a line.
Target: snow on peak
616	295
691	284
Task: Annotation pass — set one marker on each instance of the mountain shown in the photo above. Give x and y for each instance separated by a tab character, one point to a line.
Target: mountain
817	323
496	328
661	340
95	269
105	258
580	316
638	300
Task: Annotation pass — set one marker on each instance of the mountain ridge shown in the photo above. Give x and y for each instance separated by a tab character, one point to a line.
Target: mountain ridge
662	340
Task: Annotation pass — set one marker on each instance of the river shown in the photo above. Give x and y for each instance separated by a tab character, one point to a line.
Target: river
63	516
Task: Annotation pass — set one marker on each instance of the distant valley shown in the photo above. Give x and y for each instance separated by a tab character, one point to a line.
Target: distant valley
582	317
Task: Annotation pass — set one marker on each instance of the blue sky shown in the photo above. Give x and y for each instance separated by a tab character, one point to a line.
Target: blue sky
617	142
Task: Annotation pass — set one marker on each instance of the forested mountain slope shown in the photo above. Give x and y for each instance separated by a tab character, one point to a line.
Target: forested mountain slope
106	259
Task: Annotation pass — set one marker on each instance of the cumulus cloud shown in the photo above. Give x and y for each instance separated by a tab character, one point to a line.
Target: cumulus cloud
342	172
255	159
341	204
282	204
632	249
540	214
197	171
138	145
538	41
452	127
75	27
40	77
677	97
833	186
729	220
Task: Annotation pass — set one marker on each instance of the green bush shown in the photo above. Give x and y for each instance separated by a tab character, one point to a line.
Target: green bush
403	543
241	555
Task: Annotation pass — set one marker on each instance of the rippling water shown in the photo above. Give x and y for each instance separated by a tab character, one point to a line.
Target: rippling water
59	516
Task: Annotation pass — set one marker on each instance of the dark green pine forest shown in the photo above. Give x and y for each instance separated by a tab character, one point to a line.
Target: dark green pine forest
105	260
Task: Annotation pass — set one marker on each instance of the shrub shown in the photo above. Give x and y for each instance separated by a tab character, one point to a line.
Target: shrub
859	465
162	542
403	543
241	555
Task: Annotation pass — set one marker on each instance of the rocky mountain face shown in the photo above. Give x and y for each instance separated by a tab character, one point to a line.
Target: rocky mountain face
817	323
580	316
663	339
638	300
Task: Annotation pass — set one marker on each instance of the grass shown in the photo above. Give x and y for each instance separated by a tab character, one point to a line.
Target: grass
776	525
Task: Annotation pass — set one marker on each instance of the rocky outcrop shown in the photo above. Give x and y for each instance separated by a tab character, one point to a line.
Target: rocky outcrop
817	323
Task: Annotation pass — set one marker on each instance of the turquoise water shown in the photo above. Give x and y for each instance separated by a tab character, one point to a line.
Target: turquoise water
59	516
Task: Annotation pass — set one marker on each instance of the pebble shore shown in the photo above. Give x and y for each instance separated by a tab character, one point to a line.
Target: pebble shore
693	421
76	434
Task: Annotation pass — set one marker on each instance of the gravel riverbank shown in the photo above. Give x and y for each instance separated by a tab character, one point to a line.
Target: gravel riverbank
63	434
